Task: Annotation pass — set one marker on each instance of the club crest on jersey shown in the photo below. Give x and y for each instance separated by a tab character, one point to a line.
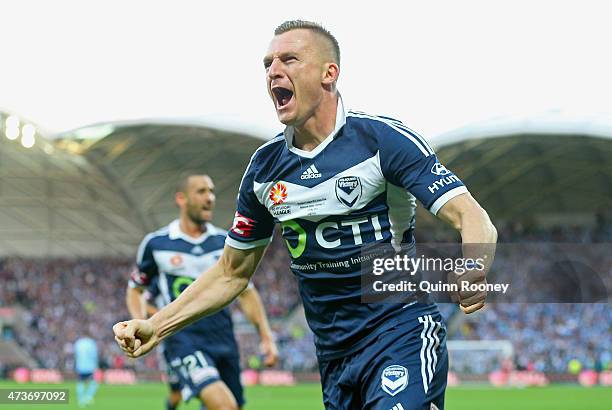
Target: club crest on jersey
278	193
348	190
394	379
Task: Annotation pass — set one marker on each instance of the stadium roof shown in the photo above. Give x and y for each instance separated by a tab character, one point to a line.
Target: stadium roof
535	167
56	203
143	160
99	190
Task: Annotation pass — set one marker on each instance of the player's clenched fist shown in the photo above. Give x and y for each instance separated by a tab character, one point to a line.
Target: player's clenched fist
472	292
135	337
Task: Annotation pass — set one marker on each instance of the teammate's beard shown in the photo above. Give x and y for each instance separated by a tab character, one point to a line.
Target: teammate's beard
193	213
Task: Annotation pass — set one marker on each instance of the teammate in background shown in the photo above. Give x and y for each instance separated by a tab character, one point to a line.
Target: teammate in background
337	180
153	300
86	364
205	354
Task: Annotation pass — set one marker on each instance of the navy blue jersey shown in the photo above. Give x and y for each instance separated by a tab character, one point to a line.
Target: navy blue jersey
152	294
357	187
175	260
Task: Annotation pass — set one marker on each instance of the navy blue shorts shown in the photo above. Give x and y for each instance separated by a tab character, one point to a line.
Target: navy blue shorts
174	381
196	368
404	369
85	376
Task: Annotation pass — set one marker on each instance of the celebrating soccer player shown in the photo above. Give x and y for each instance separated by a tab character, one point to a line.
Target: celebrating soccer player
336	180
204	355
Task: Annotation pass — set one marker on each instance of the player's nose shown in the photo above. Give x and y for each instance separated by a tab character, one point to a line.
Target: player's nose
275	69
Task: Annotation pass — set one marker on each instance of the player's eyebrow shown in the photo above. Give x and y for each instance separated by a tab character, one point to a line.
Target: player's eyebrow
282	56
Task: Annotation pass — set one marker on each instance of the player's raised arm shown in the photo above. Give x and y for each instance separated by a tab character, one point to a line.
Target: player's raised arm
478	236
251	305
213	290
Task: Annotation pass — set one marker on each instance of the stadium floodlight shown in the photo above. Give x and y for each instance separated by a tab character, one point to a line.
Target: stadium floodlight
28	131
12	133
12	127
12	121
27	141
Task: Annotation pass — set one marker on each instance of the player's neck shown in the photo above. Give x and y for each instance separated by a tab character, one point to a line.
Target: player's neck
318	126
192	229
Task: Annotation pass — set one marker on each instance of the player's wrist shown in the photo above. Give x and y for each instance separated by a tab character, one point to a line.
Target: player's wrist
266	337
156	328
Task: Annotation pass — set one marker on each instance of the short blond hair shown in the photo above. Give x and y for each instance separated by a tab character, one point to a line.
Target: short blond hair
317	28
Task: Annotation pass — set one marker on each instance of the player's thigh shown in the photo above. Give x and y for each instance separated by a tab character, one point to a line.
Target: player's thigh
217	396
195	369
407	367
229	372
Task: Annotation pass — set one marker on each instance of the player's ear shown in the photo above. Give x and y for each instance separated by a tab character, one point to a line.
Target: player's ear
179	198
331	73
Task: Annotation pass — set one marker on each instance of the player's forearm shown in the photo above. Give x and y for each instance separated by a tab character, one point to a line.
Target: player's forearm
212	291
134	302
478	235
253	309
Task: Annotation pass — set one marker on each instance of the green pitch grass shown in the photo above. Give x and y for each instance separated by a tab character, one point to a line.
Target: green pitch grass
308	397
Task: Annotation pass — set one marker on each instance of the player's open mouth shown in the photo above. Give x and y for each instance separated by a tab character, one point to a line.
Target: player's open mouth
282	96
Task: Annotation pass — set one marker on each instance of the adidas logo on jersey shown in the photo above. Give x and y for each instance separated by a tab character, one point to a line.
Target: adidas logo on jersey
311	173
398	406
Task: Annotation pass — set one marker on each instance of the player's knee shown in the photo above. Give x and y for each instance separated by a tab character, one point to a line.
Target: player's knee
218	397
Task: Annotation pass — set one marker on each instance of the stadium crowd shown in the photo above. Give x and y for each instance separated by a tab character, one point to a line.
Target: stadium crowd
546	337
64	299
571	267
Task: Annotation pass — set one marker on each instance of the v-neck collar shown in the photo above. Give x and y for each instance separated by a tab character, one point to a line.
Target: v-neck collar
175	232
340	121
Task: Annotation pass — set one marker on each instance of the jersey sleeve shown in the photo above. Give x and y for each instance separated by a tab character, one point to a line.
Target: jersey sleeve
253	225
146	267
408	161
152	291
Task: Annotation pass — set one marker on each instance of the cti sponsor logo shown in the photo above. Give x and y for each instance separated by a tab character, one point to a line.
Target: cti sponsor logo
278	193
442	182
325	230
